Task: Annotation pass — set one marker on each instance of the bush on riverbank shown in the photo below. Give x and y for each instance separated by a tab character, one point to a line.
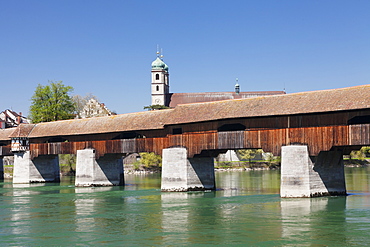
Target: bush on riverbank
246	164
67	164
356	162
148	161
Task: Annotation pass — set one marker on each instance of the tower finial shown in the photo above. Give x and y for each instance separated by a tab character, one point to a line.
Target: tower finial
161	56
158	50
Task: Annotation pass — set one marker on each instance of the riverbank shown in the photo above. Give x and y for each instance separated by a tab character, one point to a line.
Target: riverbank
356	163
253	166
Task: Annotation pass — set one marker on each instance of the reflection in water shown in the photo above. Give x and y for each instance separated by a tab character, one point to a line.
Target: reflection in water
357	179
175	215
246	210
313	220
237	182
87	206
20	211
209	217
181	215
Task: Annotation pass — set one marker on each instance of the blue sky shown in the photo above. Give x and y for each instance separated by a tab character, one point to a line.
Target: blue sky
106	47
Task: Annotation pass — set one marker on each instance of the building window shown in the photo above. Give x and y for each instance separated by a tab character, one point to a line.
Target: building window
157	88
157	76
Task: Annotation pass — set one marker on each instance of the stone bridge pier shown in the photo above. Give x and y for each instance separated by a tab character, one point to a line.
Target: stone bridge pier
305	176
1	168
105	171
44	168
180	173
301	175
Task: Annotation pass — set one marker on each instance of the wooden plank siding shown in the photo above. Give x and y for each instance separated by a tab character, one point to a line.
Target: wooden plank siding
270	140
231	140
359	134
123	146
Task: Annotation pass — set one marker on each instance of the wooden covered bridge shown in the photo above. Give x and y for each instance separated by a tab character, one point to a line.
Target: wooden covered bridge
330	120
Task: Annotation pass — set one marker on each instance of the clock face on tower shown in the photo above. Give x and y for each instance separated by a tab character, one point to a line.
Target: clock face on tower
157	101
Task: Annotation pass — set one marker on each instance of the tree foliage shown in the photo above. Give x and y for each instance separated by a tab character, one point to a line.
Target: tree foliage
69	160
155	107
150	159
361	154
51	103
365	151
248	154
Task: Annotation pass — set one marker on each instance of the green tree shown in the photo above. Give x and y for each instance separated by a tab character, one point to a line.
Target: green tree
248	154
150	160
361	154
51	103
155	107
68	160
366	151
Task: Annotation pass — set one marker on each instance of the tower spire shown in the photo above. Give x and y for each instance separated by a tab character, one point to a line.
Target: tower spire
160	81
158	50
237	86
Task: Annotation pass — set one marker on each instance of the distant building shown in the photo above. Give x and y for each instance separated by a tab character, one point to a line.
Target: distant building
160	82
95	109
10	119
161	90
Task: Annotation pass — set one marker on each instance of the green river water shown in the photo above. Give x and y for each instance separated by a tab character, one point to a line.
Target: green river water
246	210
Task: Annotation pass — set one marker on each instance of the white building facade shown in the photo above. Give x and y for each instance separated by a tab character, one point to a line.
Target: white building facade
160	82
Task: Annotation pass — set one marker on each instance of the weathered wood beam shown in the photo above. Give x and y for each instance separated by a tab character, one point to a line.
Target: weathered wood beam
270	140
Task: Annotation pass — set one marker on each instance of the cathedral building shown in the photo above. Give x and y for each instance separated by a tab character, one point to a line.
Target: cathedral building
160	82
161	90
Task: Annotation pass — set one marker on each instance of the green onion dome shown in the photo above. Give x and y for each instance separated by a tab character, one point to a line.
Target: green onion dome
159	64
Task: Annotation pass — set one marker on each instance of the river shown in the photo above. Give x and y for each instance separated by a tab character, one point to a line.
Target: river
245	210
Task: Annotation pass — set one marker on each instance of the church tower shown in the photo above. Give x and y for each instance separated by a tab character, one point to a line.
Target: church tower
160	82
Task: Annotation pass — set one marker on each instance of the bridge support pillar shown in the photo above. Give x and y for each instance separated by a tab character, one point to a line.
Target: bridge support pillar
105	171
302	176
44	168
1	168
180	173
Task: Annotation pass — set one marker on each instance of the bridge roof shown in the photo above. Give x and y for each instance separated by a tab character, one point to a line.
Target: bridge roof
188	98
343	99
116	123
5	133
